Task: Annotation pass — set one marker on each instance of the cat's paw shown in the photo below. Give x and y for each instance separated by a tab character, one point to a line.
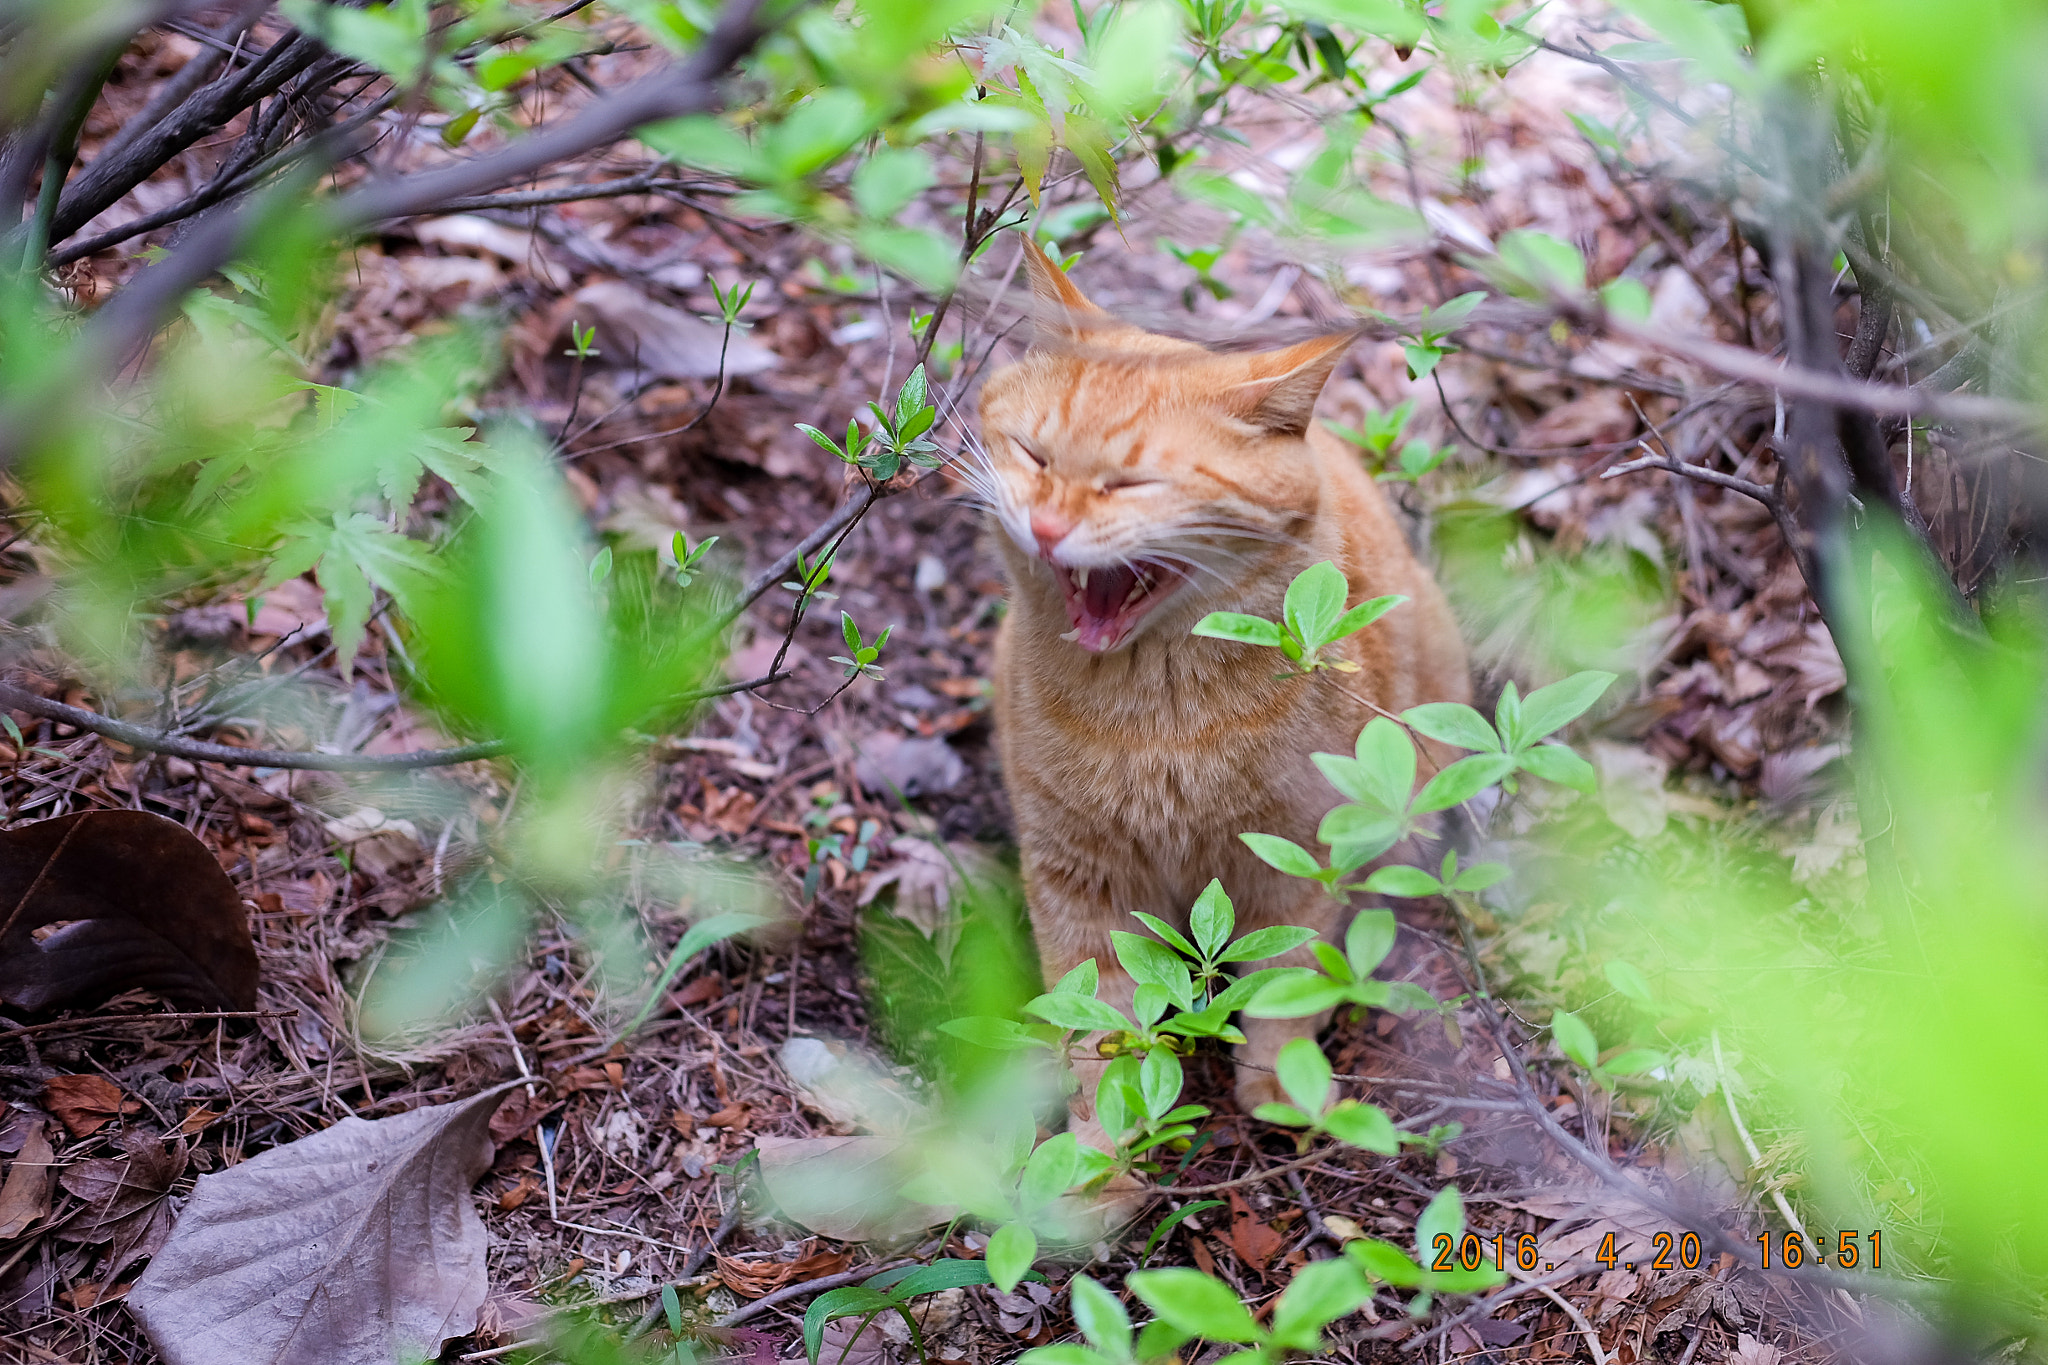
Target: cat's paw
1257	1085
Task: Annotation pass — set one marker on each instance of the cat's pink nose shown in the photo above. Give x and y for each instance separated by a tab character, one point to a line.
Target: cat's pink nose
1050	528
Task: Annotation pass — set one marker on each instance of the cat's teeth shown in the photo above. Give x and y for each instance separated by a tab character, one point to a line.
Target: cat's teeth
1138	590
1073	635
1081	579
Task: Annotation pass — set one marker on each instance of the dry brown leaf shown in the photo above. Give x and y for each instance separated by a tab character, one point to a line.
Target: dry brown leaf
137	901
517	1115
125	1200
25	1197
750	1278
357	1243
1585	1218
1255	1242
1749	1351
85	1104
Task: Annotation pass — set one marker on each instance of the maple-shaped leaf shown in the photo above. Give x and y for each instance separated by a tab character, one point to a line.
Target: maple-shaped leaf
351	554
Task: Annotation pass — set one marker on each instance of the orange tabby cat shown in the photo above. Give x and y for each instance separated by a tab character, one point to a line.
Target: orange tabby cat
1140	483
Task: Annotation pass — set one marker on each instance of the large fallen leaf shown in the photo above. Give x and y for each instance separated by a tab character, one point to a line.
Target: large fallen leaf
357	1244
126	1204
124	899
846	1188
633	331
26	1195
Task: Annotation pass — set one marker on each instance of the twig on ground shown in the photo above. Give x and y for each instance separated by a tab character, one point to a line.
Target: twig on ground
805	1290
691	1266
1486	1306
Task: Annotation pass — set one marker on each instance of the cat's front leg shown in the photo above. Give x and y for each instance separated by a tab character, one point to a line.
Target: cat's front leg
1258	1055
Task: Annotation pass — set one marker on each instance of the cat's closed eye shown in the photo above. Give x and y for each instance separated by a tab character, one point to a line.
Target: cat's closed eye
1126	482
1029	453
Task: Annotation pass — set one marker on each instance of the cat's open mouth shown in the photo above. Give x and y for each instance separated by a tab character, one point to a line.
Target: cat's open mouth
1106	602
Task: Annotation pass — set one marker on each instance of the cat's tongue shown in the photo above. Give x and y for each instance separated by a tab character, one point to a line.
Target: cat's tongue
1104	604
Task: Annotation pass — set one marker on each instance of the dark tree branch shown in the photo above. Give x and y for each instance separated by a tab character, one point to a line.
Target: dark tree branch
199	751
127	321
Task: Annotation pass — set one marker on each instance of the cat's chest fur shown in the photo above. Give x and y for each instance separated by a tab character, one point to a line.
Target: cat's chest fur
1153	759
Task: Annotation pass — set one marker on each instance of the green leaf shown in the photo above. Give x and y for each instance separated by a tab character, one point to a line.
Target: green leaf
1403	881
1159	1081
1231	625
1558	763
1574	1038
1271	941
1165	931
1384	1262
1158	1340
1635	1061
1149	960
1287	856
1443	1216
1462	781
1082	980
1363	1126
1386	763
1453	313
1286	1115
703	141
1082	1013
1296	997
1541	264
1197	1304
951	1273
1304	1073
1065	1353
1320	1293
1479	876
1314	601
1166	1225
1100	1314
1626	298
1050	1171
1368	941
1011	1250
1627	979
1364	614
816	132
1212	919
849	1301
1421	359
887	181
1238	992
1549	709
1453	723
1356	835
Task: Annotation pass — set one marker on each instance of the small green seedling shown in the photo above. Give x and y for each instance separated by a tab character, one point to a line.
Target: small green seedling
1304	1073
898	436
810	577
1576	1041
731	301
1425	343
688	556
579	341
1313	619
1377	440
601	566
860	656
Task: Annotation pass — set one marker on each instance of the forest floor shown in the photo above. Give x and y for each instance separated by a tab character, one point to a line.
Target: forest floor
1729	713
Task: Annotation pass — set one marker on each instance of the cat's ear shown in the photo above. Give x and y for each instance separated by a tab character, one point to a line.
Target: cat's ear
1280	395
1063	311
